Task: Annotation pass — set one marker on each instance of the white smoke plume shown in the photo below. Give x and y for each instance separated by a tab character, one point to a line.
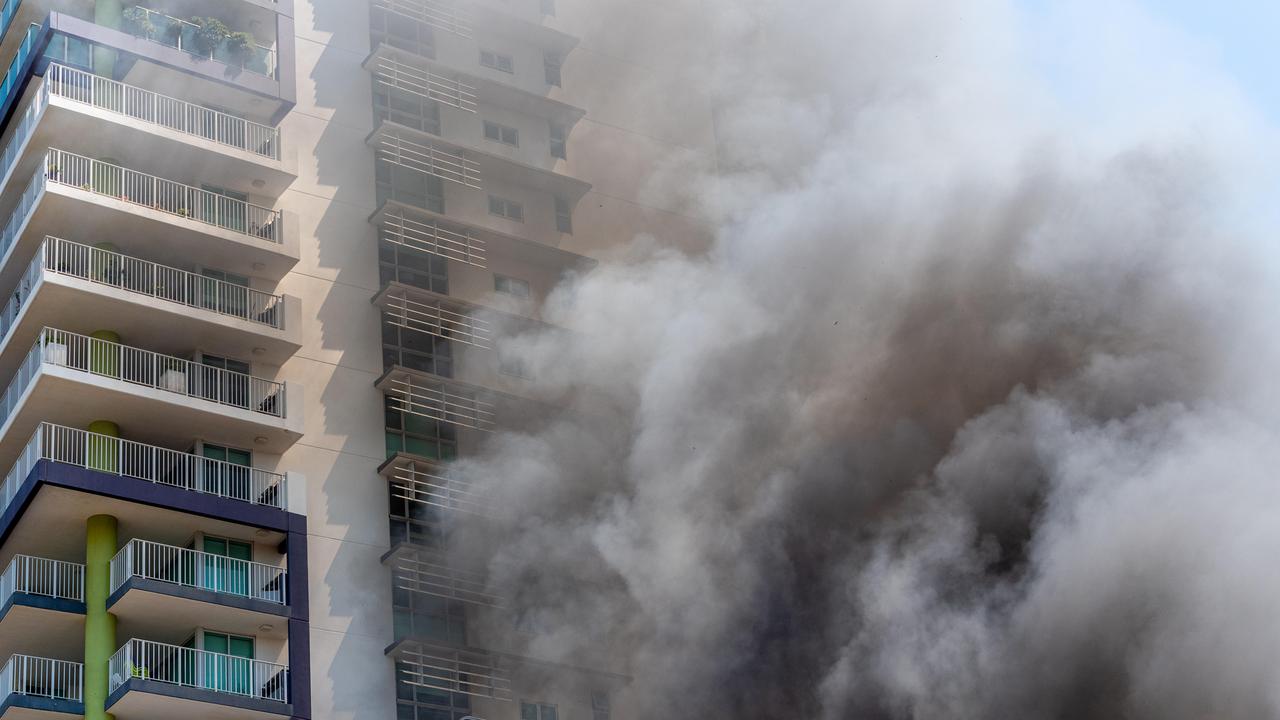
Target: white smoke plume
969	413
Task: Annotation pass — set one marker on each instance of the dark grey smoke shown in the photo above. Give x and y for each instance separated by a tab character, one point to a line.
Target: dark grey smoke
965	416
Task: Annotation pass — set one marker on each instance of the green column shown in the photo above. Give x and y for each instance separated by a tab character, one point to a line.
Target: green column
104	353
107	13
99	625
103	453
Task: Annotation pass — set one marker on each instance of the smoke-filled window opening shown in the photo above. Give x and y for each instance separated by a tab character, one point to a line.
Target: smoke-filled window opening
427	617
415	350
418	435
392	104
402	184
538	711
600	705
400	32
398	263
415	524
415	702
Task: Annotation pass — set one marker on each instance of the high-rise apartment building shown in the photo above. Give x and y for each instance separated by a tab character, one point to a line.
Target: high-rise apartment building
256	260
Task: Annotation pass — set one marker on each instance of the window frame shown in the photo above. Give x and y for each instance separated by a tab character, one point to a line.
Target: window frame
564	215
494	60
559	141
508	209
504	134
499	281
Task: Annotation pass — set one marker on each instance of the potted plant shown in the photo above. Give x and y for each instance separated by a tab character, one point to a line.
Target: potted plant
137	20
240	46
209	33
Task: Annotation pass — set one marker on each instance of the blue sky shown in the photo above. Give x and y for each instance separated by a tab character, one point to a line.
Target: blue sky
1236	37
1242	34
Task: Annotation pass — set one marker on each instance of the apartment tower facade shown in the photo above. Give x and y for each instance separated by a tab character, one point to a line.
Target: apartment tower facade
256	260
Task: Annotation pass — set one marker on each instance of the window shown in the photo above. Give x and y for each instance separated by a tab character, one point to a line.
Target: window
564	216
416	702
231	476
537	711
551	65
397	263
415	350
399	183
234	677
414	523
599	706
509	209
417	435
513	365
559	142
549	7
427	617
218	575
501	133
511	286
397	106
394	30
497	61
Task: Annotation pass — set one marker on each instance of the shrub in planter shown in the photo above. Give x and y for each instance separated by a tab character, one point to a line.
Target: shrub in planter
240	46
138	21
210	32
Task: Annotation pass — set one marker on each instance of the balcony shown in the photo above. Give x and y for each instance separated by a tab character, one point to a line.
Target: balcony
32	687
237	52
155	681
155	586
87	113
148	463
42	606
469	671
87	288
73	379
169	222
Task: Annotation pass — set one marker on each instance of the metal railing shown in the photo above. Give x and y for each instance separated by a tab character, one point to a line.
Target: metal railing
159	372
166	196
430	575
447	16
435	318
111	268
22	132
148	463
430	158
423	484
194	569
440	401
180	34
433	237
42	677
7	14
201	669
41	576
162	110
470	672
426	84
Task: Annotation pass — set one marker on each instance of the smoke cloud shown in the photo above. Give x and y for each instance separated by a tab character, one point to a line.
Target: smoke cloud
968	413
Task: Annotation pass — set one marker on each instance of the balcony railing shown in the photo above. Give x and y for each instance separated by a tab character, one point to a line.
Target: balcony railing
433	237
166	196
181	34
147	463
42	677
430	158
447	16
470	672
157	109
441	401
195	569
162	282
40	576
436	318
107	359
426	84
201	669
